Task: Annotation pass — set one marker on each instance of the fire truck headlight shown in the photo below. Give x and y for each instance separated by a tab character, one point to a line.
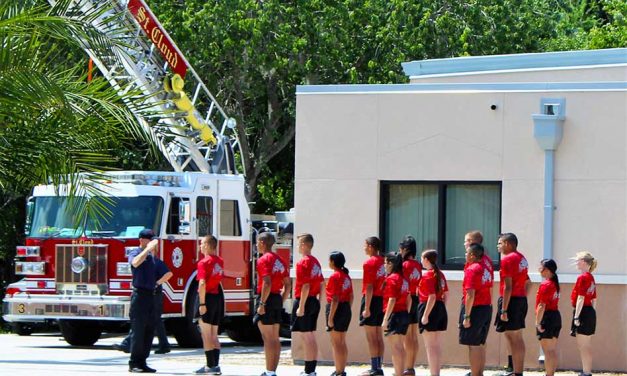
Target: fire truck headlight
30	268
123	269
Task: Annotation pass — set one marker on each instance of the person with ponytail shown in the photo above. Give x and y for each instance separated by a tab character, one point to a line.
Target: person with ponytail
339	294
432	291
584	301
396	317
371	310
548	318
412	270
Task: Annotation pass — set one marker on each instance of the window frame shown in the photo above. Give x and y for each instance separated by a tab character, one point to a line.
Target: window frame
441	184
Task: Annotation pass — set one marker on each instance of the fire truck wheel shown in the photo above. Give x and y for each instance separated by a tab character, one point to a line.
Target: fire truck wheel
21	329
80	332
244	331
186	329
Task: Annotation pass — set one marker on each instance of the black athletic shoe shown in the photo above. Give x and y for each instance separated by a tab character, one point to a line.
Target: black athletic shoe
162	351
144	369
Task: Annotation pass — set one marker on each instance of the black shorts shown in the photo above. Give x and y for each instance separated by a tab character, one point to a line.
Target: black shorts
215	309
308	322
413	310
480	318
274	309
342	318
438	318
516	314
587	322
397	324
551	323
376	311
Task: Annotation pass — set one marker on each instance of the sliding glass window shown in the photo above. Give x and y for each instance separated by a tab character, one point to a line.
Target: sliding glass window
439	214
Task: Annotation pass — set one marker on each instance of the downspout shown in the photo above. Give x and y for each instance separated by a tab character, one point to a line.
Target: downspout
548	131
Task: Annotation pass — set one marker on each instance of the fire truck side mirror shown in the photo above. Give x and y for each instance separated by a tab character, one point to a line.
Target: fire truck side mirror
184	228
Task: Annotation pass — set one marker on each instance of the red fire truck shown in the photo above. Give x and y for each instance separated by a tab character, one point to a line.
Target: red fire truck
77	272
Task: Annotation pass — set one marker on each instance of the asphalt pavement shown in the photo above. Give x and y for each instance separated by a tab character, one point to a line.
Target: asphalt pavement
47	354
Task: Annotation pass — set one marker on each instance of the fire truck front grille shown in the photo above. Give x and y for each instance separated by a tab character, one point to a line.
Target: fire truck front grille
81	269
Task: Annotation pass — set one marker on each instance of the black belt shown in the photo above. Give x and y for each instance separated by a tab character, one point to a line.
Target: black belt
140	290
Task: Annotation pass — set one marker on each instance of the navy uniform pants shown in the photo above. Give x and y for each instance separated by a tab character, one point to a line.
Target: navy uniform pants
159	326
142	326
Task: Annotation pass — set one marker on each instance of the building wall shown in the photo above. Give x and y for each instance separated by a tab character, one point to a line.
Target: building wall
347	143
345	151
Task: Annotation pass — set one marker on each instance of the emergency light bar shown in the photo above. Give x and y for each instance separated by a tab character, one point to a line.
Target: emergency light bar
146	179
27	251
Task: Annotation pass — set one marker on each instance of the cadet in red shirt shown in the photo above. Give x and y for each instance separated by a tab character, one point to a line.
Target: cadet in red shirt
548	319
210	272
432	291
306	307
476	310
584	301
486	261
412	270
396	318
273	287
512	304
339	293
371	311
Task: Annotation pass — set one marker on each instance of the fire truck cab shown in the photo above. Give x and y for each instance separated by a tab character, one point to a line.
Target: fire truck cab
79	274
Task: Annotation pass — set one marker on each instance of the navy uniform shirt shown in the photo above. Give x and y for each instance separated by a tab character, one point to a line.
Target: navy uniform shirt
161	269
144	277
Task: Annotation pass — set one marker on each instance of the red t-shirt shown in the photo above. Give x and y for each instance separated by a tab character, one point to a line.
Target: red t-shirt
427	284
584	286
308	270
477	277
396	287
374	273
412	270
339	285
514	265
210	269
547	294
270	264
486	261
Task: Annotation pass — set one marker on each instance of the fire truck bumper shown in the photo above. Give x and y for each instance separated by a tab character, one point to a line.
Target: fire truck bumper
25	307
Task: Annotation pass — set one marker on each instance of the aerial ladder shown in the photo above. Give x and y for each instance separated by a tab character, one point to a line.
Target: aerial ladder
193	132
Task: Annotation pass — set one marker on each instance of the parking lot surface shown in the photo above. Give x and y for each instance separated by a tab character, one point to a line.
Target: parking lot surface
48	354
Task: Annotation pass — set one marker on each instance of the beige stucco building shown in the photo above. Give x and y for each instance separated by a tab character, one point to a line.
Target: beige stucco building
533	144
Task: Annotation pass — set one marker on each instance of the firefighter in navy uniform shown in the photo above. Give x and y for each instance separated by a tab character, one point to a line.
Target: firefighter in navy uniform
163	274
142	311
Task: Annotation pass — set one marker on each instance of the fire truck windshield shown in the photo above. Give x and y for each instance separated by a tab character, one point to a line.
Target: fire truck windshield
124	217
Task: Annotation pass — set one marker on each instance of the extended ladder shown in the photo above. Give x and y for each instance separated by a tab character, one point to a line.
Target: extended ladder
149	58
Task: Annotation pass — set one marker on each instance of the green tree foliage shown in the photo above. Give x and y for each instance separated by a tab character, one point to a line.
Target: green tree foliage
253	53
590	24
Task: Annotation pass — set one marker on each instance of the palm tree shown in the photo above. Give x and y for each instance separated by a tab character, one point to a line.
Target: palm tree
53	122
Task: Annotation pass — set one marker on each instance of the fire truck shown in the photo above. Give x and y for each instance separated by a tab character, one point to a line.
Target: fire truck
76	272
